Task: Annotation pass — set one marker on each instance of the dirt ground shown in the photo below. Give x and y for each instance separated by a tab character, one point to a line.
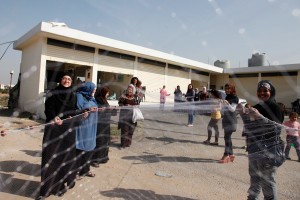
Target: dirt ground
167	160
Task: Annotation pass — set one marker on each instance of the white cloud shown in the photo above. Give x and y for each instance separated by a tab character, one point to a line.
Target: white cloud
173	14
242	31
219	11
296	12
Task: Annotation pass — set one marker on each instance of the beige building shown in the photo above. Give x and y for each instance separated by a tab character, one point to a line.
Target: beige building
51	48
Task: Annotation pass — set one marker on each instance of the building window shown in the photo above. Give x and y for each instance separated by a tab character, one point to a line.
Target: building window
70	45
243	75
116	55
151	62
293	73
200	72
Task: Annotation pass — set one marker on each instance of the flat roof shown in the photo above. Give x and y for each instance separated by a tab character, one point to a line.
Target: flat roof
60	30
261	69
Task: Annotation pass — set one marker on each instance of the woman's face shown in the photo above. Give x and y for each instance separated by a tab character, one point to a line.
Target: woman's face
227	90
263	94
134	81
190	86
107	94
129	91
66	81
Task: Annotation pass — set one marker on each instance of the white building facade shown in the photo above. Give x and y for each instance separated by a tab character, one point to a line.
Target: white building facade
52	48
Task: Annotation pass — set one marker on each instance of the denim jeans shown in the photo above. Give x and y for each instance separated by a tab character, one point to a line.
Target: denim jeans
190	118
262	176
228	143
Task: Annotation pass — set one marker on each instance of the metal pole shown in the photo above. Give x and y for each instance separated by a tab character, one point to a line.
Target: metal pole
11	74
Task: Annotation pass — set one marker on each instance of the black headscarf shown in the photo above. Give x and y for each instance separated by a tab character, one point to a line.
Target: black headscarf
269	109
60	101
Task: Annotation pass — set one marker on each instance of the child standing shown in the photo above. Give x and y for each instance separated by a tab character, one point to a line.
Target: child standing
215	117
293	133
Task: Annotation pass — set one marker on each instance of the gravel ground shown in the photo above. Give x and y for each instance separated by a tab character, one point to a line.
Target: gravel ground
167	160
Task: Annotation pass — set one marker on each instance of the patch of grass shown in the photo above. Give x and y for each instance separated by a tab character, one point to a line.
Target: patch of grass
114	131
3	100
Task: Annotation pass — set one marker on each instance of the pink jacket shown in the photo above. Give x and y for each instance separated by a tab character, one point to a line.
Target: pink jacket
293	128
163	94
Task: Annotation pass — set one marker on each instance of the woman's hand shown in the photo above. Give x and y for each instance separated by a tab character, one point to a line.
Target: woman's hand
93	109
57	121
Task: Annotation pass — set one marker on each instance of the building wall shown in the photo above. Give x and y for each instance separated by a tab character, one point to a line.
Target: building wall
286	88
31	86
176	77
153	77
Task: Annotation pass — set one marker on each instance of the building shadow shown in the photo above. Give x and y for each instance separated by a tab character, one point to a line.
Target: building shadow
33	153
154	158
171	140
133	194
20	187
22	167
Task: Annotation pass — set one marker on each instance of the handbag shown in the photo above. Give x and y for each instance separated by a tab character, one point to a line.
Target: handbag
137	115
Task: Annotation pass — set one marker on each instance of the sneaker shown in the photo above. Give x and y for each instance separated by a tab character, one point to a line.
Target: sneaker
214	143
190	125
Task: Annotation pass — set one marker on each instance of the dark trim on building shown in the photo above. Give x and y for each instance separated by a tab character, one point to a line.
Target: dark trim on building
200	72
270	74
70	45
116	55
177	67
151	62
250	75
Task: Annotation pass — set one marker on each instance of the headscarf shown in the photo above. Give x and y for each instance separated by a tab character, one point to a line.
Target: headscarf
86	90
267	84
101	95
269	109
63	98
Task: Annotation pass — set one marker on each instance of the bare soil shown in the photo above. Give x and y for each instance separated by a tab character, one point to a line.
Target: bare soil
167	160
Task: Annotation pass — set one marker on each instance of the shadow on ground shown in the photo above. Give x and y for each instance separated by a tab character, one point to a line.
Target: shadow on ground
20	187
133	194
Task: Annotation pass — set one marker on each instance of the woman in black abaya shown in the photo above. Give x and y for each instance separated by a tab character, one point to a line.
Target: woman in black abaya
58	152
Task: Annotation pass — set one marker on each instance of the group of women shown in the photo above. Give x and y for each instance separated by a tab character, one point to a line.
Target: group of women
77	132
73	141
262	127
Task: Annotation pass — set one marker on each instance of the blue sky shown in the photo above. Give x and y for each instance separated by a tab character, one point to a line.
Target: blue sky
202	30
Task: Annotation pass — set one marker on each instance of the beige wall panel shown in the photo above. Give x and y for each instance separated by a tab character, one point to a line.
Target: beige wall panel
115	65
246	88
176	77
32	81
285	88
219	80
70	54
199	80
153	77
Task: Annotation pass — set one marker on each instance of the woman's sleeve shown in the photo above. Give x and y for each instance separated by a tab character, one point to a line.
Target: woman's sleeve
50	108
232	107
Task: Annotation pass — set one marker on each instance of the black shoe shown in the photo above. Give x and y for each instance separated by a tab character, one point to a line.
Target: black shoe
288	158
71	185
40	198
61	192
94	164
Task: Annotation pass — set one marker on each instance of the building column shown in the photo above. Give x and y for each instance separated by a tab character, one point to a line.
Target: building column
166	73
298	85
135	67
